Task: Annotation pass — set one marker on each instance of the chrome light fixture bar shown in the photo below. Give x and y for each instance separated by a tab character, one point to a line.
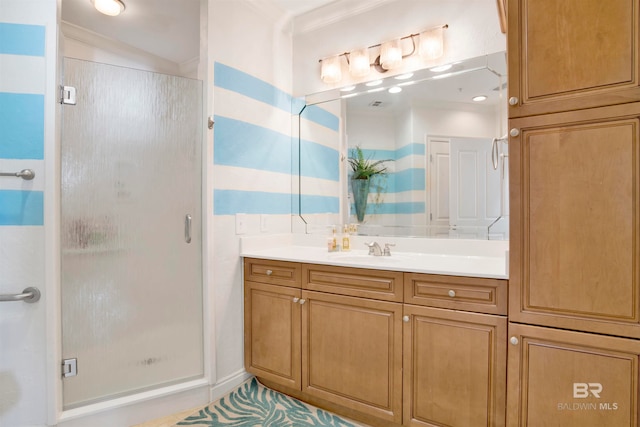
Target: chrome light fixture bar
430	47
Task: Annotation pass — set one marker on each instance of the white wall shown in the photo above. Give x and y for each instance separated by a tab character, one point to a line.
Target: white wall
474	30
26	356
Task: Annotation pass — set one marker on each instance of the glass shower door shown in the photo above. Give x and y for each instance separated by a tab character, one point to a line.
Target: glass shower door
131	261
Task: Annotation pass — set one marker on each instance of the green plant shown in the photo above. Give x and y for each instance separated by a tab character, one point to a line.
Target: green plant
365	168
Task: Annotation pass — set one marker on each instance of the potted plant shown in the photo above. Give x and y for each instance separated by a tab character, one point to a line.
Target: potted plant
363	169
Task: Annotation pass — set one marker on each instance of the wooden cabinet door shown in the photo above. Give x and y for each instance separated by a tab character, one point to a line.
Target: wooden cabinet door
572	54
454	368
574	218
571	379
272	316
352	353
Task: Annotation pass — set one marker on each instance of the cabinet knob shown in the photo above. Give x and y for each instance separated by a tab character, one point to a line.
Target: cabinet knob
296	299
513	100
302	301
514	132
269	272
452	293
405	319
514	340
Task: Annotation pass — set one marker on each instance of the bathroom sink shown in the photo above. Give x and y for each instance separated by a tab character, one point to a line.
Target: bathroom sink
348	257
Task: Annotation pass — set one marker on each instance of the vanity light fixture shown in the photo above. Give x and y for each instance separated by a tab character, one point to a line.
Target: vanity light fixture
479	98
391	55
109	7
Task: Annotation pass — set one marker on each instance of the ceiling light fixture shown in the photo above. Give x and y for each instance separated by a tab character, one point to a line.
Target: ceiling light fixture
109	7
479	98
395	89
390	55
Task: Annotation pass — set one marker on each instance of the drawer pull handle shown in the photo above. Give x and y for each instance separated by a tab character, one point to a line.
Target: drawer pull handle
302	301
295	299
514	132
514	340
406	319
452	293
269	272
513	100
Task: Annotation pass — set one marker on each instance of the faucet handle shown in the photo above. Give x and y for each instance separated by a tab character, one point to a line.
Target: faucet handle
371	246
387	248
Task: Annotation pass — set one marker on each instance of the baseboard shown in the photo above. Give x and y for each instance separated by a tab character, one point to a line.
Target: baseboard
136	409
226	385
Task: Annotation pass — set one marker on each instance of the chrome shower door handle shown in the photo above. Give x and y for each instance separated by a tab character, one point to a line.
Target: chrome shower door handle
28	295
187	228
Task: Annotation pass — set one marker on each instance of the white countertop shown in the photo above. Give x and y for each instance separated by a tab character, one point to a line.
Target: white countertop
457	257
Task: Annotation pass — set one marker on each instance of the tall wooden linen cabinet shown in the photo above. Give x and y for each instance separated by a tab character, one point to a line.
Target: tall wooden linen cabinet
574	287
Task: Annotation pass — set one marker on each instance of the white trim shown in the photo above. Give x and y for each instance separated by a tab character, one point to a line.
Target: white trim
227	384
140	407
332	13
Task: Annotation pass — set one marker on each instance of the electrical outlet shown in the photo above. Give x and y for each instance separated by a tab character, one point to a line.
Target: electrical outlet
241	223
264	223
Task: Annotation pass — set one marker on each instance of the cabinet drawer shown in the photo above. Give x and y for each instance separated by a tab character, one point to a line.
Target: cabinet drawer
273	272
458	293
359	282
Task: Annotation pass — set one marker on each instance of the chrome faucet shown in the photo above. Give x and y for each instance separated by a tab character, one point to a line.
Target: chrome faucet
374	249
387	249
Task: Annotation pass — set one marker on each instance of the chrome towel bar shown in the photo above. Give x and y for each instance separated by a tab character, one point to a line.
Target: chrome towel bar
26	174
28	295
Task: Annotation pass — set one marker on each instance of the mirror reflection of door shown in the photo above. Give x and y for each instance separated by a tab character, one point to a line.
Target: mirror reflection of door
438	186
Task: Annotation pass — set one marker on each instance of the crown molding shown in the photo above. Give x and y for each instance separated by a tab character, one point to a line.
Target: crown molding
332	13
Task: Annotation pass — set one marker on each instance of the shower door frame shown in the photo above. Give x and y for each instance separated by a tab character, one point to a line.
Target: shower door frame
144	404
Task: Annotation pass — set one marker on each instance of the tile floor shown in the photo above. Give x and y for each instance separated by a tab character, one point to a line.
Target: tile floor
170	420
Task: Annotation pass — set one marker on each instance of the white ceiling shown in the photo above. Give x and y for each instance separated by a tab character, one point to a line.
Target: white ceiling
166	28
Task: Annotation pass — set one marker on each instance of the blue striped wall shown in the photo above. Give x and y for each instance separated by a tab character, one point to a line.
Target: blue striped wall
241	143
21	125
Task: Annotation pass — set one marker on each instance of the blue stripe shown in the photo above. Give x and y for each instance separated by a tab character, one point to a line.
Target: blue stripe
238	81
407	180
21	39
242	144
319	204
21	207
231	202
409	150
393	208
321	116
21	126
319	161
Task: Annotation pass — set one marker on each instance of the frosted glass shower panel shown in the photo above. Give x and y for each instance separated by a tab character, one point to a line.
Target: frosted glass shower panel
131	283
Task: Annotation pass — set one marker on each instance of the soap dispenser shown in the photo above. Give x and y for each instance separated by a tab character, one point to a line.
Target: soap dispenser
346	239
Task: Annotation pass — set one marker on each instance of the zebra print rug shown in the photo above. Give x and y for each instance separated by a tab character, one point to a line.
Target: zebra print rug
254	405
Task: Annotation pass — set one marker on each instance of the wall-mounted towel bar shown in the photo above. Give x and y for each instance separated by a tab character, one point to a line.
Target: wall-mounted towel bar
26	174
29	295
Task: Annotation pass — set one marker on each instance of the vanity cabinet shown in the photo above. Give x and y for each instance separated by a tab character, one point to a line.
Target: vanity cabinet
385	347
571	54
571	379
454	361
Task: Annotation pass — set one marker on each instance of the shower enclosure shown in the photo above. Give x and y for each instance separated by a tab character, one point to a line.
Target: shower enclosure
131	250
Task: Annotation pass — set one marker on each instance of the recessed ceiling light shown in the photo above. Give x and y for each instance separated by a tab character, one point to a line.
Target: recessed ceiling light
395	89
109	7
404	76
374	83
347	88
440	68
479	98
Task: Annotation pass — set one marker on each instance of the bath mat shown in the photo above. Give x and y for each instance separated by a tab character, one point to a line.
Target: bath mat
254	405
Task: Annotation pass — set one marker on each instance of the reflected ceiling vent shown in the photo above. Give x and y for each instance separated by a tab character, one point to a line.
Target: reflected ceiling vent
376	104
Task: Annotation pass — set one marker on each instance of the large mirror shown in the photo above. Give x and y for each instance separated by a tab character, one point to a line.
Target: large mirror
440	134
